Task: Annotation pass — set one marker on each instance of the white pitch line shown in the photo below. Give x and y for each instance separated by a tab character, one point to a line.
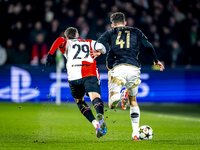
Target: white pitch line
179	118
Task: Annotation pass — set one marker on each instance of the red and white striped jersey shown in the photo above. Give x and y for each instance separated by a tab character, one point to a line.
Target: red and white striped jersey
80	64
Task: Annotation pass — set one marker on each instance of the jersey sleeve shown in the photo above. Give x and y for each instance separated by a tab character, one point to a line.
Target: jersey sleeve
98	46
104	38
149	47
60	43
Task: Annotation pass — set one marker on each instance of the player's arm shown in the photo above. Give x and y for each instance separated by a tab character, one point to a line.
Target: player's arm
60	43
104	39
150	49
98	49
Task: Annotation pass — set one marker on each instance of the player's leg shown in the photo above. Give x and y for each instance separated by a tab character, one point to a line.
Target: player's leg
99	107
134	113
85	109
92	87
97	102
115	83
133	80
78	91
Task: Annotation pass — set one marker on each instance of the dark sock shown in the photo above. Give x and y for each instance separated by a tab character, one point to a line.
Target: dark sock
98	105
85	110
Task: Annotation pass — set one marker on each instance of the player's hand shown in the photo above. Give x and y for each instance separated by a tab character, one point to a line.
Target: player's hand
95	54
49	60
160	65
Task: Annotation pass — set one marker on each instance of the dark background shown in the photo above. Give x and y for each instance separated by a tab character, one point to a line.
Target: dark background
29	27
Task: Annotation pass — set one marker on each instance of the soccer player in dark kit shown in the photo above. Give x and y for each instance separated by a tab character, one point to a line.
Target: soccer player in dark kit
124	66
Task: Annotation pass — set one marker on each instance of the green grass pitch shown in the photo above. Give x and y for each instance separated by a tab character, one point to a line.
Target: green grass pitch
48	126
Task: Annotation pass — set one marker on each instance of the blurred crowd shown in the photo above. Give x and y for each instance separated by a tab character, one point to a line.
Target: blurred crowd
29	27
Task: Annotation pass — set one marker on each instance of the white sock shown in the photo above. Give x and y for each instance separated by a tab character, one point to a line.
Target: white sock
94	122
135	118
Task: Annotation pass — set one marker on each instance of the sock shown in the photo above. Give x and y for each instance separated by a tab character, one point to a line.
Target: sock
86	111
94	122
135	118
98	105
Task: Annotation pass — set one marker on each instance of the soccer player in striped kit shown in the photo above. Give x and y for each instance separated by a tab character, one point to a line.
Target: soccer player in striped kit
83	74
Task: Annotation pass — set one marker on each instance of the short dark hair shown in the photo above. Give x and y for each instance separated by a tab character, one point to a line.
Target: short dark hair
70	33
117	18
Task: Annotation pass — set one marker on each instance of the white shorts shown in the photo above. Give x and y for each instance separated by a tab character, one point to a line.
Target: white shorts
124	75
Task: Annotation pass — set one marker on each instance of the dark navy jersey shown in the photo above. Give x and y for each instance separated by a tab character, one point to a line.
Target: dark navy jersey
124	45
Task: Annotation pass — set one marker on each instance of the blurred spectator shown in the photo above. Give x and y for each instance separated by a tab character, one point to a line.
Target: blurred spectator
143	16
192	45
10	49
196	9
195	53
90	18
48	15
53	32
102	10
18	34
83	9
39	51
21	55
17	12
28	16
48	3
63	17
163	54
37	30
163	22
146	22
176	52
99	27
83	30
153	34
166	36
130	22
71	18
80	20
142	3
193	34
178	14
173	25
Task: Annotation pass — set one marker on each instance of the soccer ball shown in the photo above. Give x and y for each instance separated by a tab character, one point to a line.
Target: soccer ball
145	132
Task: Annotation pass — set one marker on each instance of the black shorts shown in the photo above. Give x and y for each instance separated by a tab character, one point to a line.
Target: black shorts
81	86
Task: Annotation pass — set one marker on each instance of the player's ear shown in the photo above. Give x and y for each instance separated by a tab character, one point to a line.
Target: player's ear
112	25
125	22
77	35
